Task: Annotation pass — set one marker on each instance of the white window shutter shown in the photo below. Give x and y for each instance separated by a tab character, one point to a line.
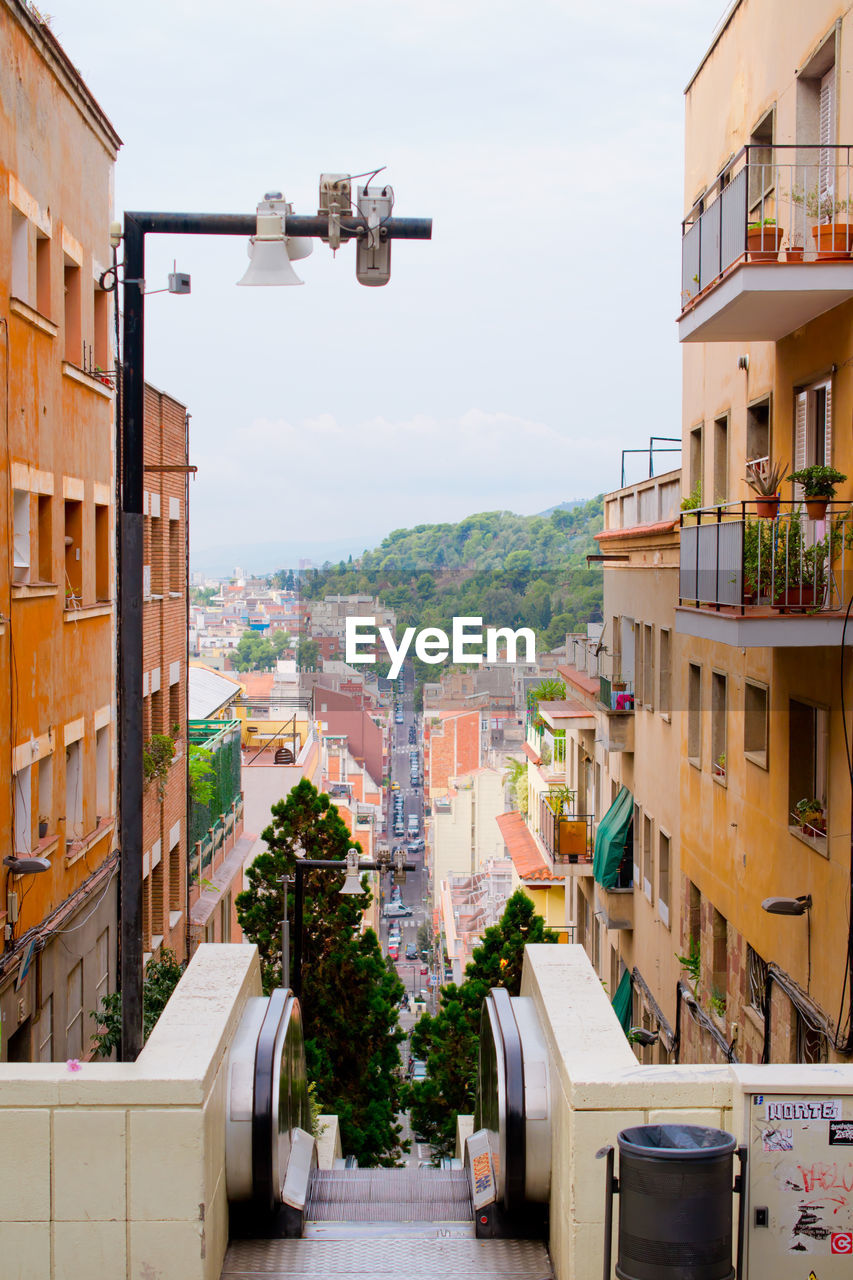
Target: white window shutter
827	108
827	430
826	138
800	419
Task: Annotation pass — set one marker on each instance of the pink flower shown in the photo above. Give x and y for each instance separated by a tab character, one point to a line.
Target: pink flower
73	1064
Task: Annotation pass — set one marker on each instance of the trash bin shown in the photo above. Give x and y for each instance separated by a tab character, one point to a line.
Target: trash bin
675	1203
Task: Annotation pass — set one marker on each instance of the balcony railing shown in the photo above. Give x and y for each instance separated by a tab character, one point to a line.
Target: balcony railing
784	203
616	693
567	836
732	558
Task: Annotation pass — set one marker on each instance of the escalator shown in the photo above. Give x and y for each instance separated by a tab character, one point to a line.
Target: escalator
288	1218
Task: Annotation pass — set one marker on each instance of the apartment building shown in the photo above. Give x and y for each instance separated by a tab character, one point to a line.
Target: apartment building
761	671
58	909
165	888
464	828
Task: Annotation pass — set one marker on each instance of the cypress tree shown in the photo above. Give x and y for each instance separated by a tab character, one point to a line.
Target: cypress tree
449	1042
349	998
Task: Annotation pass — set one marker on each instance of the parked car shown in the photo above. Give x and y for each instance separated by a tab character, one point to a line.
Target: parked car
411	951
395	786
396	909
418	1069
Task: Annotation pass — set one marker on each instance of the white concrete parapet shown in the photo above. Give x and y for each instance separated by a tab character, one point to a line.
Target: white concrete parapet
118	1169
598	1087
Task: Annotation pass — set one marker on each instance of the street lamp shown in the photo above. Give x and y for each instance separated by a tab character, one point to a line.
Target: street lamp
373	233
352	884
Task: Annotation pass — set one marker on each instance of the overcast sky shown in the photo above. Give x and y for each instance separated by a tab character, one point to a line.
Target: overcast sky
510	359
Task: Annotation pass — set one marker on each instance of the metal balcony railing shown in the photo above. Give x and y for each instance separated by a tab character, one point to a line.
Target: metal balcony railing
566	835
785	203
730	557
616	693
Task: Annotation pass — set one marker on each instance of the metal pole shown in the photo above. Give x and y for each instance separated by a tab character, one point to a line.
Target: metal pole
285	937
130	648
610	1186
298	910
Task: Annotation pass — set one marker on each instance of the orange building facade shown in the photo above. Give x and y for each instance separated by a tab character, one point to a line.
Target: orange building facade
57	634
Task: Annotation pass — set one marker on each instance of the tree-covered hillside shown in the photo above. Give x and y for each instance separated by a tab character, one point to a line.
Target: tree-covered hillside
509	570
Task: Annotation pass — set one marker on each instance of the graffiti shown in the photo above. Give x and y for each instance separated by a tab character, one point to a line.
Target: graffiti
802	1110
822	1176
809	1224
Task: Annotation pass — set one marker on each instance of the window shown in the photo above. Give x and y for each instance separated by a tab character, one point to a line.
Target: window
175	717
665	673
102	966
663	876
649	667
696	460
45	537
756	980
20	285
103	797
639	672
758	434
176	894
719	696
21	546
23	811
721	459
45	768
73	791
157	575
813	428
812	1041
719	962
101	351
808	742
45	1031
73	313
694	917
176	583
73	554
146	913
648	856
43	298
694	718
755	722
157	909
761	168
102	552
225	918
636	844
74	1012
210	931
157	712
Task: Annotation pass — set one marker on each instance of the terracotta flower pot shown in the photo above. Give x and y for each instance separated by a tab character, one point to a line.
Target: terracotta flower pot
833	241
763	243
816	507
767	507
794	253
794	598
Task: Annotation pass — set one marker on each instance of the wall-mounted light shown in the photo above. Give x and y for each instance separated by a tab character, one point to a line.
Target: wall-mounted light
788	906
743	363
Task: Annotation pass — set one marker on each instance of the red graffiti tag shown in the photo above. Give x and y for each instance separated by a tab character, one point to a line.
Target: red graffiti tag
827	1177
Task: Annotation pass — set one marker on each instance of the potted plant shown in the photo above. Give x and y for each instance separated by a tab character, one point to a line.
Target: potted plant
763	240
42	827
810	814
833	239
766	490
818	487
720	765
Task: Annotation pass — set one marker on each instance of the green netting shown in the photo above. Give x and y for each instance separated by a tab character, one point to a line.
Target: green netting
221	740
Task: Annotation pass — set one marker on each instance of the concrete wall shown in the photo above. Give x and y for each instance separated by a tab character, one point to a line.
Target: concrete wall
598	1088
119	1169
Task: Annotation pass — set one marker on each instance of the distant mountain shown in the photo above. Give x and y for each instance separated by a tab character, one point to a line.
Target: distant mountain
260	558
564	506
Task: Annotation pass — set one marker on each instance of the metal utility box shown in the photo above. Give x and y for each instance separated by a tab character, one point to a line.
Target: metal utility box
800	1186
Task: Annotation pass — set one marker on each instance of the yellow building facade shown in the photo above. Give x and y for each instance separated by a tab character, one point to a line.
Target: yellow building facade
761	656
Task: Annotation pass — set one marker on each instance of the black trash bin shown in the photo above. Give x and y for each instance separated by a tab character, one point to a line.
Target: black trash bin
675	1203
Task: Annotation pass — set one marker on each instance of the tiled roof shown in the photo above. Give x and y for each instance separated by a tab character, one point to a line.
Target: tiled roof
525	854
580	679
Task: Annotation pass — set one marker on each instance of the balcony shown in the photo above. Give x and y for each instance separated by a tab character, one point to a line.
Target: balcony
755	582
567	836
616	699
616	907
767	247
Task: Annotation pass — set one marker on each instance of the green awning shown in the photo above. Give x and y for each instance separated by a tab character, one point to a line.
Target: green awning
611	838
623	1001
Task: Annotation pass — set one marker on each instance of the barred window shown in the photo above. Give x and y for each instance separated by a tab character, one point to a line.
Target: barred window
756	976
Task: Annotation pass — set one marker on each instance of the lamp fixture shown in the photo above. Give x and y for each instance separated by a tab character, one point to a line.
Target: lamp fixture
26	866
641	1035
352	883
270	250
788	906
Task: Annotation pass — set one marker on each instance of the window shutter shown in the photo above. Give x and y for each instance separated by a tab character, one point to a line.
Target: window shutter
826	138
827	108
800	431
827	431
